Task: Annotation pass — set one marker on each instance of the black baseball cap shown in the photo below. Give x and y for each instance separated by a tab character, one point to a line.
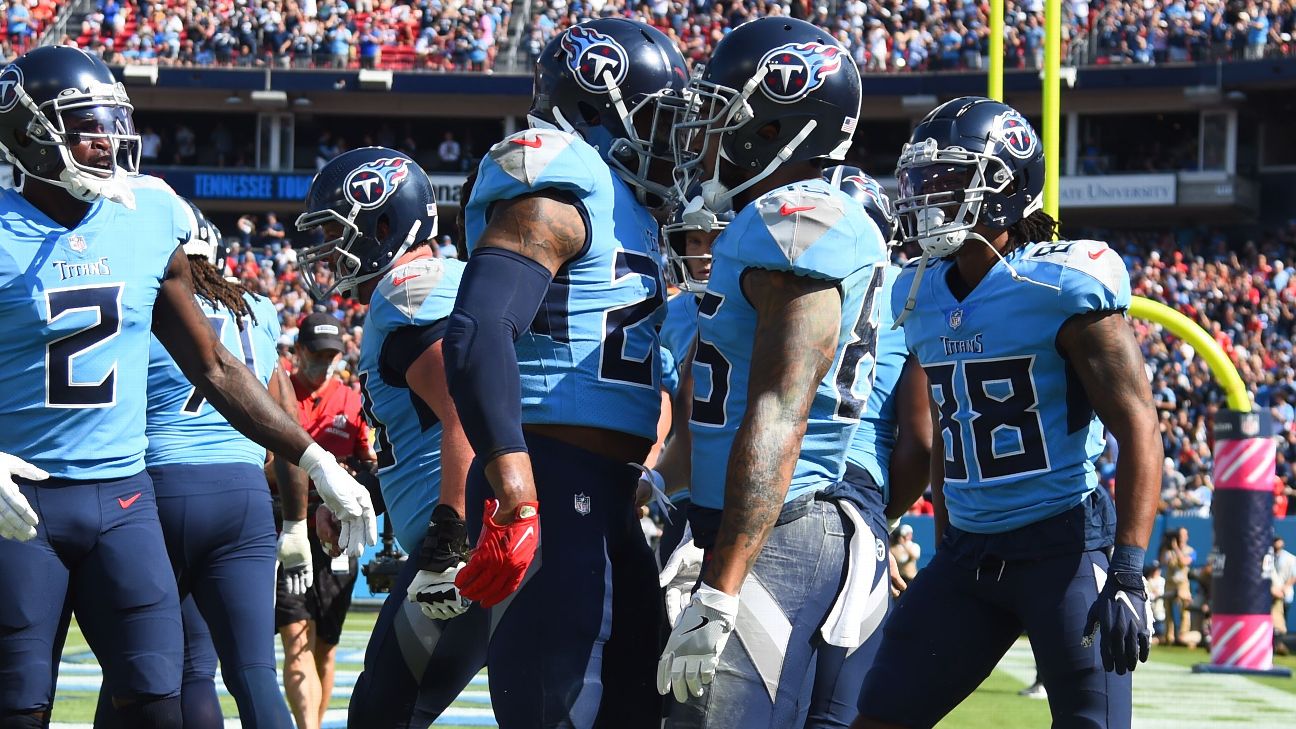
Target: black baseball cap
320	332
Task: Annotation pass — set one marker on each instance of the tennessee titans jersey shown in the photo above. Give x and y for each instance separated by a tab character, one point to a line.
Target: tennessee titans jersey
182	426
1020	436
76	312
678	332
406	433
810	229
591	355
871	447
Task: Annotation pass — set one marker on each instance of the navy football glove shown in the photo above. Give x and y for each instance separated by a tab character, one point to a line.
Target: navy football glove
1121	617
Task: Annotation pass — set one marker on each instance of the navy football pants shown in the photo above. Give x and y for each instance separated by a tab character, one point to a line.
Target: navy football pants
99	551
577	644
220	536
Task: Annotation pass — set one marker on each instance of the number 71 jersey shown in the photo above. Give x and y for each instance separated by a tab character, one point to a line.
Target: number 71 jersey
591	356
1020	436
810	229
76	316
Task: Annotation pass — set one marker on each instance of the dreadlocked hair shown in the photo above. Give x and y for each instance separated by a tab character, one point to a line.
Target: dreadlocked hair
217	291
1037	227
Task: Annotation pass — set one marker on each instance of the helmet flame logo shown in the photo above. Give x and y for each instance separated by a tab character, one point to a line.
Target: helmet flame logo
591	56
371	184
795	70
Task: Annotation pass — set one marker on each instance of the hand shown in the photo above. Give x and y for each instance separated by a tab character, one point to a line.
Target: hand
503	554
898	585
328	529
442	555
295	556
680	574
344	497
651	488
17	518
695	644
1121	618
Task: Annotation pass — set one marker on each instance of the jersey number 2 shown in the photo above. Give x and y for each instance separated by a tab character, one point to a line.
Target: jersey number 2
62	390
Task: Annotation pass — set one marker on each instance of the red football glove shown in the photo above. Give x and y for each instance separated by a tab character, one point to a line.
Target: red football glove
502	556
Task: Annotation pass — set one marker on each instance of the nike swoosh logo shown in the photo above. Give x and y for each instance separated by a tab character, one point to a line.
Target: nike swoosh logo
699	626
532	143
529	531
1097	254
126	503
785	210
398	280
1123	597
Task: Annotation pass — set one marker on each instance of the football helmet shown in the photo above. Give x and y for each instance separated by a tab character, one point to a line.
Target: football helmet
970	161
55	97
690	217
602	80
867	192
361	190
776	90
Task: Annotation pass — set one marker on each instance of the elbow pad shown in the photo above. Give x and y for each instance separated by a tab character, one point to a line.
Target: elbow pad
499	295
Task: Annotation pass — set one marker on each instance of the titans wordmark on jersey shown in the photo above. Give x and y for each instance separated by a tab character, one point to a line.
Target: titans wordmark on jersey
76	314
1019	434
809	229
591	356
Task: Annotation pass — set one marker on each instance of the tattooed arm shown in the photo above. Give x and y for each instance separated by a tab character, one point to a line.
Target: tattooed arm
1100	346
525	242
797	323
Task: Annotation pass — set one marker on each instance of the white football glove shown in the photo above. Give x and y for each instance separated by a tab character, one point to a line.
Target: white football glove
695	644
345	497
680	574
436	595
17	518
295	556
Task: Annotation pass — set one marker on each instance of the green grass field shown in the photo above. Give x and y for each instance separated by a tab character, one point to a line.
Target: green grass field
1167	694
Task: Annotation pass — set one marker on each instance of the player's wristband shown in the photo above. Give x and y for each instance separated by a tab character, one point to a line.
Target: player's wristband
446	542
1128	559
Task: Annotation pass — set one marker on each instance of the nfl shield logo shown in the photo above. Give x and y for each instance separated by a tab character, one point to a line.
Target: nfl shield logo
956	318
77	243
582	504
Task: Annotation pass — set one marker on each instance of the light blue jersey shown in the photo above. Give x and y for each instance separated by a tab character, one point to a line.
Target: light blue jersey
406	433
871	447
810	229
182	426
677	334
1020	436
76	312
591	356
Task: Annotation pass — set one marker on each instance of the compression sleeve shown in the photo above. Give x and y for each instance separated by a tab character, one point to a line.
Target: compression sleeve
499	296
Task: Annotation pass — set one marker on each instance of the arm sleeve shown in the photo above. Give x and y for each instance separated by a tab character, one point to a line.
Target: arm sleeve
498	299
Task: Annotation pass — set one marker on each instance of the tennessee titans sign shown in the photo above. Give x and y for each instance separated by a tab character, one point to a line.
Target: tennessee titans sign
592	56
11	80
371	184
794	70
1015	134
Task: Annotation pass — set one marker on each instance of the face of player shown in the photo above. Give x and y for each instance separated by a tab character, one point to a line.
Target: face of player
87	140
312	368
697	244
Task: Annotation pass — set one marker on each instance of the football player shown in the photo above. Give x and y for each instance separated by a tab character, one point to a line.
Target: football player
378	211
200	466
789	315
92	265
1029	355
553	360
886	471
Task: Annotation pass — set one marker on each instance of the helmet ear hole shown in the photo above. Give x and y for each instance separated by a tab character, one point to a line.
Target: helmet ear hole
589	114
382	228
769	132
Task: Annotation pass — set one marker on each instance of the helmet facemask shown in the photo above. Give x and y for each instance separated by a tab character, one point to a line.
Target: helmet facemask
694	218
943	193
346	266
73	117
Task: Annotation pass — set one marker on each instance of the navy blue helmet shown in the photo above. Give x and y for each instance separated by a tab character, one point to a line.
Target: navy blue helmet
383	203
55	97
970	161
602	80
776	90
867	192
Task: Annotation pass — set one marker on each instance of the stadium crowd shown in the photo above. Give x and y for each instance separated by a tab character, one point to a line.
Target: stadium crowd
467	35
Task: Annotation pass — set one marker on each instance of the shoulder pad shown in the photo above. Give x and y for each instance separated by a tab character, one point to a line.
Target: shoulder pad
418	292
536	159
149	182
1092	277
810	232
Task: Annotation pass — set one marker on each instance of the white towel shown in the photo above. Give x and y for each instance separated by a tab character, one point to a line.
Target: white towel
860	606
